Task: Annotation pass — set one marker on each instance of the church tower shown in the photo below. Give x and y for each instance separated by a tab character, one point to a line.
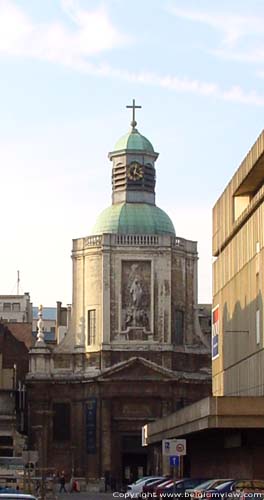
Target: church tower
134	281
134	351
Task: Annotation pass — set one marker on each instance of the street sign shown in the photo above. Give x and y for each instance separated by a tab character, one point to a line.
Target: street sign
172	447
174	460
180	447
168	447
29	456
144	435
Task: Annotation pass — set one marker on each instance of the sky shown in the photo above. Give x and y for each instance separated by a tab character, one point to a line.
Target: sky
68	68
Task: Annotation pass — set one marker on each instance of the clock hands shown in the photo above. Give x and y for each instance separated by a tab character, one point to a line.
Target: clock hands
135	171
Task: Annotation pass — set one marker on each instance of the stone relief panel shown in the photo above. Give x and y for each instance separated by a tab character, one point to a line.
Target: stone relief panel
136	299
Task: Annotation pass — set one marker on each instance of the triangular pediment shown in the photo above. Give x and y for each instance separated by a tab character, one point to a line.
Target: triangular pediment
137	368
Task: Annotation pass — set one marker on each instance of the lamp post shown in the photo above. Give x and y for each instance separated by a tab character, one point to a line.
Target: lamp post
42	446
73	448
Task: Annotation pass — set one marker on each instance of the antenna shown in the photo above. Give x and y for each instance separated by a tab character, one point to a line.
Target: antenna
18	281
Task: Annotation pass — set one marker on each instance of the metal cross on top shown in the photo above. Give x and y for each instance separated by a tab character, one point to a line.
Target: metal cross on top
133	107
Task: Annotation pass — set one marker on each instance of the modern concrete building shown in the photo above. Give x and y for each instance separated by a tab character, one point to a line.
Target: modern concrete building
134	349
225	432
238	281
16	308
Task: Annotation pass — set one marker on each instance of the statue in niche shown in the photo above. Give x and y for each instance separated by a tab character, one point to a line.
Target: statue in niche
136	292
137	298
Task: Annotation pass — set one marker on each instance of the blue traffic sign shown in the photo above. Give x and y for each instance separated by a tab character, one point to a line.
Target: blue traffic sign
174	460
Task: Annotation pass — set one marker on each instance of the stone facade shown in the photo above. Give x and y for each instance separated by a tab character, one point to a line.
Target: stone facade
134	350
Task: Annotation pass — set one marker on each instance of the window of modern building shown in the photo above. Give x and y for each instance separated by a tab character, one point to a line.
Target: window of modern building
91	323
16	307
7	306
61	422
257	326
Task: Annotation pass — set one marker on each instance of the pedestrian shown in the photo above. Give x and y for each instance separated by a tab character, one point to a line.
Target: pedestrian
74	486
62	483
37	487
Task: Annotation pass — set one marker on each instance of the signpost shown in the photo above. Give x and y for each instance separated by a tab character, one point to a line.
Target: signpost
174	460
168	447
180	447
29	459
174	449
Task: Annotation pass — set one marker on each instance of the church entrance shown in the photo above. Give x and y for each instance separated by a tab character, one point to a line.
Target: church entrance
134	459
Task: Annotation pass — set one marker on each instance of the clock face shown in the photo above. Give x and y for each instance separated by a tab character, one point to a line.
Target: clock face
135	171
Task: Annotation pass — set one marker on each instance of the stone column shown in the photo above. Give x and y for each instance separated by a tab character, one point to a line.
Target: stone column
106	436
106	262
78	319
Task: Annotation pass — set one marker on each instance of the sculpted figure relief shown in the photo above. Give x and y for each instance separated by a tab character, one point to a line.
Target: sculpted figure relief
136	292
137	297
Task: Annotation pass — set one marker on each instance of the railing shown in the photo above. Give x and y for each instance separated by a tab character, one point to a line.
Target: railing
140	240
178	242
93	241
136	239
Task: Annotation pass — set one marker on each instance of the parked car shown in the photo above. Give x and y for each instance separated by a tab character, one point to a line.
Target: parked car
246	487
148	489
199	491
162	485
179	488
135	489
16	496
8	490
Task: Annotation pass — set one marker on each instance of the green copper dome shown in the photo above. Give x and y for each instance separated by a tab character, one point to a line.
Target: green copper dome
133	218
134	141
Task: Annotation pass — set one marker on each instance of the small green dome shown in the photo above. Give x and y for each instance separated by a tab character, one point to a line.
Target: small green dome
133	218
134	141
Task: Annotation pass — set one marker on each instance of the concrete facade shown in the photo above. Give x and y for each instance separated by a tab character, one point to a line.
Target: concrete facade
16	308
225	437
238	248
225	433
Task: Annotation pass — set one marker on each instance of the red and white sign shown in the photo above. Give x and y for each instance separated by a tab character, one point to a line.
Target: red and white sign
180	447
171	447
215	331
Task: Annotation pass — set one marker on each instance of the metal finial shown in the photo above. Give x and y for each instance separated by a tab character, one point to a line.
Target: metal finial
133	107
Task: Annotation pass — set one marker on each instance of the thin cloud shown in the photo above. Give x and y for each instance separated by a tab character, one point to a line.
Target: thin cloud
91	34
233	26
174	83
254	56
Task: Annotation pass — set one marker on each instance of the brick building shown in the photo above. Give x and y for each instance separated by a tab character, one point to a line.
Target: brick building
14	365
